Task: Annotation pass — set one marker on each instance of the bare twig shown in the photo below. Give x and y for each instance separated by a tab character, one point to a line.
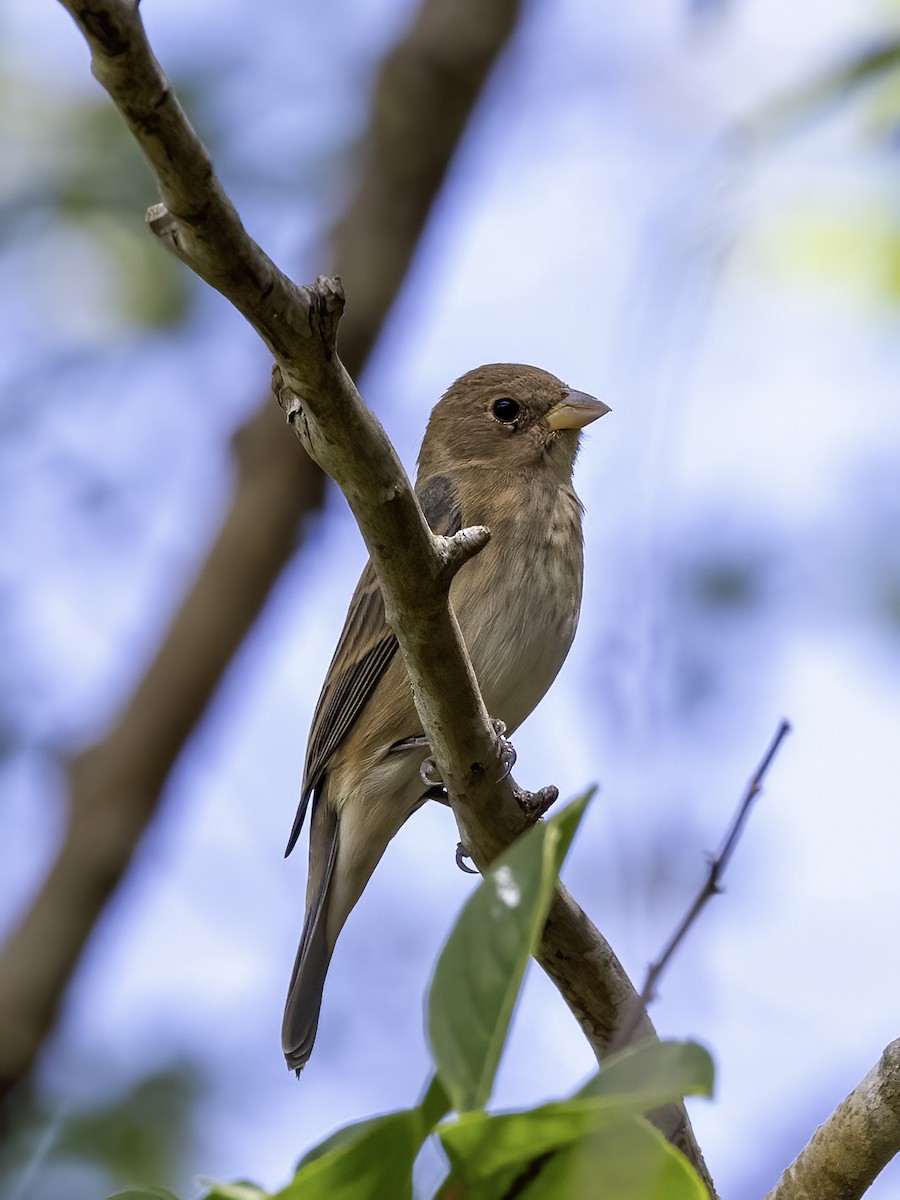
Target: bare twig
426	90
711	887
855	1144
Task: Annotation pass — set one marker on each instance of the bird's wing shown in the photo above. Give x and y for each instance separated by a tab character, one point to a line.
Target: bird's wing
364	651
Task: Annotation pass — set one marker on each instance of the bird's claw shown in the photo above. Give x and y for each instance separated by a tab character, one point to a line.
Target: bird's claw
535	804
425	774
461	857
507	749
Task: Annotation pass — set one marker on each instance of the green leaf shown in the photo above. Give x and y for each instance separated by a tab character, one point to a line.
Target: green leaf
347	1135
484	1147
628	1161
435	1103
480	1145
654	1073
480	970
369	1161
143	1193
236	1191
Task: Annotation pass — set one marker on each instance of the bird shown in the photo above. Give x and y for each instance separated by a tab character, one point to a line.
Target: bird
498	450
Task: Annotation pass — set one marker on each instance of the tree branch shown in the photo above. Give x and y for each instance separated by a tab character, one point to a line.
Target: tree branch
855	1144
710	887
435	73
299	325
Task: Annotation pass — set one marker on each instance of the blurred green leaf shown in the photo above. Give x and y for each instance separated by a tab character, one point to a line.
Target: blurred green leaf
860	250
479	973
75	168
832	86
654	1073
141	1135
138	1140
108	170
144	1193
150	288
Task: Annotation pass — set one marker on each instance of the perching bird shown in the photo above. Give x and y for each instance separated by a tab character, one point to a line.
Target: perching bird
498	451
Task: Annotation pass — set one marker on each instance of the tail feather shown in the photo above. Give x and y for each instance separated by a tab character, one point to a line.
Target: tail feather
304	1000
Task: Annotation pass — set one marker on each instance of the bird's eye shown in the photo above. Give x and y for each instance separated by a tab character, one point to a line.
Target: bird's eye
505	410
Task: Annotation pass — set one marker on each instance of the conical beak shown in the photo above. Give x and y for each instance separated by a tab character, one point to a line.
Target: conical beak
575	410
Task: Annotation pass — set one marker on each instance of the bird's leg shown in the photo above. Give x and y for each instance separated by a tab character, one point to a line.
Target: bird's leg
436	791
426	771
435	786
440	795
461	856
533	804
507	749
425	774
419	742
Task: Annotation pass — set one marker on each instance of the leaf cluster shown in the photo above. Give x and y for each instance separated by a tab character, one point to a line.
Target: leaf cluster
598	1142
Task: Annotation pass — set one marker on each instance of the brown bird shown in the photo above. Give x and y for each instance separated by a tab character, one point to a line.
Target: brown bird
498	451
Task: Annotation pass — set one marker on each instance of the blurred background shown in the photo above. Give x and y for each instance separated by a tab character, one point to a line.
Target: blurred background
687	207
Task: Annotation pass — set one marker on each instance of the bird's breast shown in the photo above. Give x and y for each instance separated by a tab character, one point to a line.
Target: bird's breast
518	601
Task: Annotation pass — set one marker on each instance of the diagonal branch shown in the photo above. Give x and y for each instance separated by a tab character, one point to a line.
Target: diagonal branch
299	325
859	1139
426	90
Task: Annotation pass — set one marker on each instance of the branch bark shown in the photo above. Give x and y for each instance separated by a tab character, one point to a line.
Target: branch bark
198	223
426	90
847	1153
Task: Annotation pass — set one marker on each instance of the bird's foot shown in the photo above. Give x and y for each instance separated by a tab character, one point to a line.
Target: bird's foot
535	804
507	749
428	769
461	856
427	774
419	742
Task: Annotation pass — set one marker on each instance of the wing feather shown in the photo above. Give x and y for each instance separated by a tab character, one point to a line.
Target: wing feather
364	652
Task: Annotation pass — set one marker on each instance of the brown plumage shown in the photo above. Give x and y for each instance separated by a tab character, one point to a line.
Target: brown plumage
498	451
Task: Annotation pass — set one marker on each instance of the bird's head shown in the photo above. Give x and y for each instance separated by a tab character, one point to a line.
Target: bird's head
508	417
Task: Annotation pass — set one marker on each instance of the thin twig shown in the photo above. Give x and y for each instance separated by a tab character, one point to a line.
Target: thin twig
711	887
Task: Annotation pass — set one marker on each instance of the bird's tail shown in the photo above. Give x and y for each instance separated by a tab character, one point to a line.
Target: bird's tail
304	1000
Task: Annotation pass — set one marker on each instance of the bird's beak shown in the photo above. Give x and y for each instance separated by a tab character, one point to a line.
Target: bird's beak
575	410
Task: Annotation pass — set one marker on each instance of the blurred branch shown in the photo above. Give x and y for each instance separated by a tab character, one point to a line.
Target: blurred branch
425	93
855	1144
711	887
415	567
